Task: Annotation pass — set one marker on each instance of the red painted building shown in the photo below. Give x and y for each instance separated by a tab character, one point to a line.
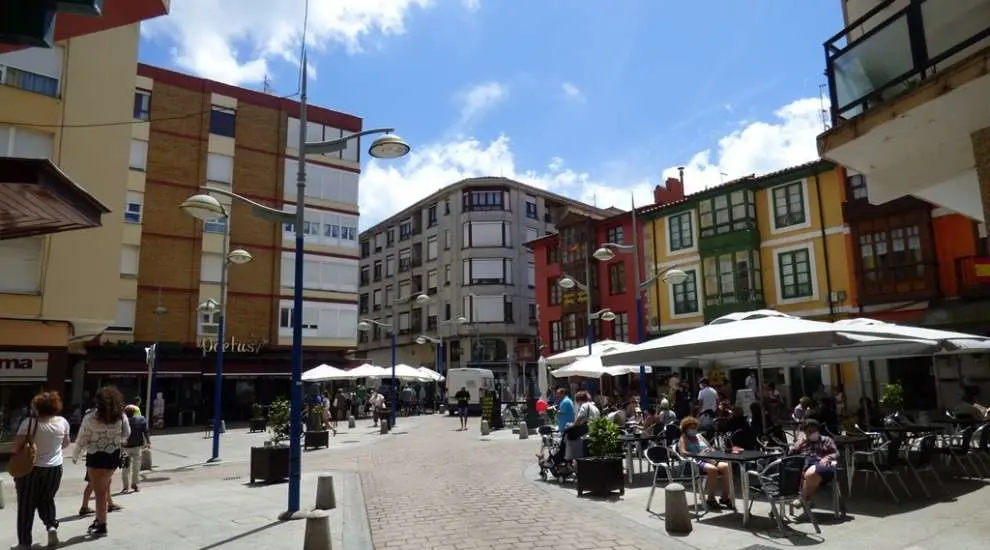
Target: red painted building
563	313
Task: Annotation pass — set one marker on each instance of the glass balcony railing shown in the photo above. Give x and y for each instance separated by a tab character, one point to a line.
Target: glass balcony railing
898	44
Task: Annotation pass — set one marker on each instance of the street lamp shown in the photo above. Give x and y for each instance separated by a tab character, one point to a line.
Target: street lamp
567	282
364	325
388	146
211	210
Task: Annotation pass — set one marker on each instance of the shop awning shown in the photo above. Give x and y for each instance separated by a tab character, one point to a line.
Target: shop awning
37	198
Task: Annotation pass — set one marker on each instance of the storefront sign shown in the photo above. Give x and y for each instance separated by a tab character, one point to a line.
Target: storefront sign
23	366
209	345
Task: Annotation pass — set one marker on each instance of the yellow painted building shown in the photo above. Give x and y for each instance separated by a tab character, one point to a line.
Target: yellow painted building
776	241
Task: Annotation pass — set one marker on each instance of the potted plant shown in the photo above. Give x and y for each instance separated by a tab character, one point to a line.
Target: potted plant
892	401
317	434
270	463
601	472
258	423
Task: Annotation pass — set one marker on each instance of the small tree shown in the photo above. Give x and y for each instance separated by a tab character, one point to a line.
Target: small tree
278	421
604	438
893	397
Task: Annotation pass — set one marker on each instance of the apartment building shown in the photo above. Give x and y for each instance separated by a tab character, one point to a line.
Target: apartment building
908	87
189	133
463	248
69	169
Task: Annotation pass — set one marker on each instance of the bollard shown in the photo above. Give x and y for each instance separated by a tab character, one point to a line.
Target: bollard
325	499
383	426
485	430
145	459
223	426
523	430
317	531
351	422
677	517
1	494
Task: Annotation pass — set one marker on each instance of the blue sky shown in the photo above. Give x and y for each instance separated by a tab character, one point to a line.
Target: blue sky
589	102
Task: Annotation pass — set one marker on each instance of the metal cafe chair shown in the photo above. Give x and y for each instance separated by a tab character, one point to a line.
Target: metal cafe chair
780	483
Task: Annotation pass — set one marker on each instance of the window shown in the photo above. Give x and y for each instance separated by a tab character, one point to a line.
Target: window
321	273
795	274
139	154
446	206
211	267
553	254
508	315
216	225
532	234
533	313
379	242
390	239
320	132
615	235
389	265
788	205
365	277
446	239
431	215
486	309
432	316
130	257
685	295
142	105
403	322
323	182
376	299
432	250
405	290
735	211
389	295
617	278
124	320
363	305
321	320
620	327
377	272
733	278
486	234
21	260
892	255
556	338
327	228
680	233
220	168
531	275
555	292
477	199
857	186
36	70
222	121
487	271
208	322
531	212
28	81
132	213
432	281
405	260
446	275
406	229
365	249
20	142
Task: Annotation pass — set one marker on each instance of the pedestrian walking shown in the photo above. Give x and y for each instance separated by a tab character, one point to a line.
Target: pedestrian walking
137	442
101	435
44	433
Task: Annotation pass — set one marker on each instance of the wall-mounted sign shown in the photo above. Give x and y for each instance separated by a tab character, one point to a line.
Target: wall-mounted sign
209	345
24	366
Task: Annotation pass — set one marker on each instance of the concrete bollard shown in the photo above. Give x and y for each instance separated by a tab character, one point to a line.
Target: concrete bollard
351	422
325	498
317	531
485	430
146	462
523	430
677	517
383	426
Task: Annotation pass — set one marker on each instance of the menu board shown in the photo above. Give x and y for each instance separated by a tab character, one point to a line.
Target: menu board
487	408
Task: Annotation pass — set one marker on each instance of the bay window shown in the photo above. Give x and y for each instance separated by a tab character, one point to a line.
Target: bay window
735	211
733	277
487	271
486	234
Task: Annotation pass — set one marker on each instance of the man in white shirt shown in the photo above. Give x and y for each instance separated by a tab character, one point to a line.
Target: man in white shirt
707	403
377	402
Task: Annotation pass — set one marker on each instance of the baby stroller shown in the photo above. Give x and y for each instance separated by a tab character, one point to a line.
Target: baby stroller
551	458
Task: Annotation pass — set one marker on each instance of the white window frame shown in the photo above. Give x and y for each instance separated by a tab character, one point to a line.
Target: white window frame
812	273
28	253
124	253
698	292
125	318
220	168
432	248
693	249
133	210
206	268
138	159
772	213
208	322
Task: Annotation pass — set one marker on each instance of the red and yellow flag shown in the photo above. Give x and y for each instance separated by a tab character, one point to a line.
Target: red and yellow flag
981	268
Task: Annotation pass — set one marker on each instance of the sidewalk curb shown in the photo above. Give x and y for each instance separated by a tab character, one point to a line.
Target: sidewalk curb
356	533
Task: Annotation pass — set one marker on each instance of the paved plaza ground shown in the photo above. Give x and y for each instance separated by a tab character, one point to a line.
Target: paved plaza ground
429	486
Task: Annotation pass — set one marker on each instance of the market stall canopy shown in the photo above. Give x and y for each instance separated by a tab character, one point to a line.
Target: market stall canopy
591	367
768	338
324	373
598	348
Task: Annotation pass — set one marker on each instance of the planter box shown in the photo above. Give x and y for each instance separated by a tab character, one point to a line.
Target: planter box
316	439
269	464
257	425
600	476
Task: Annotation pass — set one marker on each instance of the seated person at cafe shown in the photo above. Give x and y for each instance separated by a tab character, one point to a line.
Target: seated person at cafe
694	443
803	410
969	409
665	415
741	431
820	454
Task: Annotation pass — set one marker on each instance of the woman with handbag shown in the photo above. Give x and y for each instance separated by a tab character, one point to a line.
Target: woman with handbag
36	466
101	435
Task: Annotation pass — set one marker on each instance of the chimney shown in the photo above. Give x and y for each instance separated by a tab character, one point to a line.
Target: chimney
671	191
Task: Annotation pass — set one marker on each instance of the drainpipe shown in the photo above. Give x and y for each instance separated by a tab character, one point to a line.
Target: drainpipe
828	272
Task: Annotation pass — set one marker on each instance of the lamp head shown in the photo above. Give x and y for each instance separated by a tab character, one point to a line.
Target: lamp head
239	256
604	254
423	299
364	326
675	276
203	207
566	282
462	320
389	146
607	315
209	305
421	340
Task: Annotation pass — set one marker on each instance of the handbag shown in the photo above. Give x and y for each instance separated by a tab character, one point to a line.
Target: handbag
22	463
125	459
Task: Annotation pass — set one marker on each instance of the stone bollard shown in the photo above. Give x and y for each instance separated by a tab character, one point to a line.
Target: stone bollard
523	430
485	430
325	499
677	517
317	531
351	422
383	426
146	462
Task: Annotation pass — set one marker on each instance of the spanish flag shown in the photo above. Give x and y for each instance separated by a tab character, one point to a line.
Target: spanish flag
981	268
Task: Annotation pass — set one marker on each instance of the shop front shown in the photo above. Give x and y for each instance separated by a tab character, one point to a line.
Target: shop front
24	372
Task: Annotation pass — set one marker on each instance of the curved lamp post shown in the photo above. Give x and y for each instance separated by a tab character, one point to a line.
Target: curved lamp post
567	282
388	146
238	256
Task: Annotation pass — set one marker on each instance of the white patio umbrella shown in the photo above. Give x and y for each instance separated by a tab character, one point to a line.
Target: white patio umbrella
949	341
591	367
541	376
598	348
368	370
431	374
408	373
324	373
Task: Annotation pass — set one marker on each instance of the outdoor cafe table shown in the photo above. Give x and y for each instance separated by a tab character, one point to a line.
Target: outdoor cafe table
846	445
741	458
632	442
910	429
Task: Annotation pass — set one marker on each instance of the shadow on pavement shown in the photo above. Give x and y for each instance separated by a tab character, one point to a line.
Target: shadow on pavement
243	535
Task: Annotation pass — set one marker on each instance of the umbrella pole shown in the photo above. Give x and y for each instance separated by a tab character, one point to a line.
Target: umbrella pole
938	383
862	379
759	376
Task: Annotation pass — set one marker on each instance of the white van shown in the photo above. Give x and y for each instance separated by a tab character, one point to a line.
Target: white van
475	380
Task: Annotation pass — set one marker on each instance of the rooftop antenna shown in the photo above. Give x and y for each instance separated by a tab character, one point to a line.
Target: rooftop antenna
266	85
823	112
722	176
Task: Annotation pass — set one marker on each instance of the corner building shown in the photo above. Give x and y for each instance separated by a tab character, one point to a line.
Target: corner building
190	132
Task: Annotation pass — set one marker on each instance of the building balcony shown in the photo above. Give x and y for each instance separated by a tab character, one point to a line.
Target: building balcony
907	86
745	238
726	303
973	277
902	283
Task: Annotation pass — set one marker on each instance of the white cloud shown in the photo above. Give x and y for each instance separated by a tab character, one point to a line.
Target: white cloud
480	99
572	92
757	147
234	40
471	5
